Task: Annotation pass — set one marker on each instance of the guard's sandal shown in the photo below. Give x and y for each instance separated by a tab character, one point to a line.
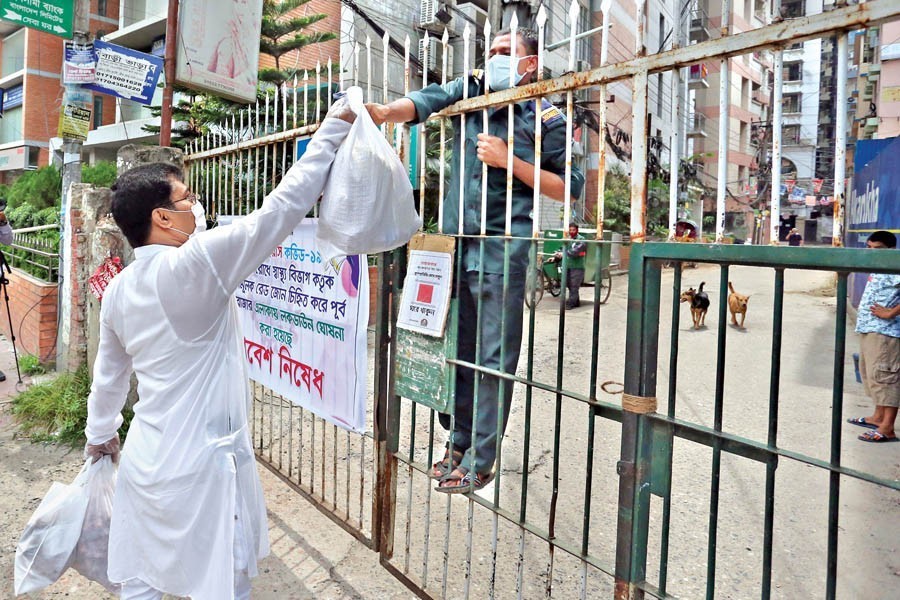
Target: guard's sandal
876	437
861	422
465	484
446	465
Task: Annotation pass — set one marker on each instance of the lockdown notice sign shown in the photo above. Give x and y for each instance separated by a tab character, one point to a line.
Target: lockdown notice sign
51	16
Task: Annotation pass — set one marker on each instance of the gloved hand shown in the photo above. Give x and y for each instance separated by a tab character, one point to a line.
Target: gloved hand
109	447
340	109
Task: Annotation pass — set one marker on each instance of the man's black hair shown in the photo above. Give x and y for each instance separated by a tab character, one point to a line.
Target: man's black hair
885	237
528	36
575	225
137	193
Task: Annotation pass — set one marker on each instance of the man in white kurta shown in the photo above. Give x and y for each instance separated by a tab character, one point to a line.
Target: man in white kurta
189	517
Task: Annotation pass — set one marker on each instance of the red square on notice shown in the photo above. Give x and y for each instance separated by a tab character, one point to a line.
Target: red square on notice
425	293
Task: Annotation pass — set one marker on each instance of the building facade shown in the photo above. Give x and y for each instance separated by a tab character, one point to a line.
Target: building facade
31	84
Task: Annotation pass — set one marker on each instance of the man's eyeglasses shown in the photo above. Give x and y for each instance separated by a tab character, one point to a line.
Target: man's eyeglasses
190	197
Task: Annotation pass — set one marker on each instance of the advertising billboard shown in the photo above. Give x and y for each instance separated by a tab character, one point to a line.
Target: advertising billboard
218	47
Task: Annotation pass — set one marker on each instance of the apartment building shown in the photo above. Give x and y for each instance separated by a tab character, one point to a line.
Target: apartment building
31	84
748	105
875	88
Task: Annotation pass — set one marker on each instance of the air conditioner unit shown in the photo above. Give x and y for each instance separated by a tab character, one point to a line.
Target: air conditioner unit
433	16
436	55
474	13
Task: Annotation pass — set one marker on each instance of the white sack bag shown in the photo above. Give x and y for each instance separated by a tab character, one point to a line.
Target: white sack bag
45	548
367	205
91	555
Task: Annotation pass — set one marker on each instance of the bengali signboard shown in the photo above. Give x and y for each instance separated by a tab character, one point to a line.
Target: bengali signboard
218	49
50	16
125	73
74	122
304	324
79	63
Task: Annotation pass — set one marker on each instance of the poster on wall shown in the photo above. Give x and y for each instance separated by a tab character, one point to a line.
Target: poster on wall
218	50
125	73
304	325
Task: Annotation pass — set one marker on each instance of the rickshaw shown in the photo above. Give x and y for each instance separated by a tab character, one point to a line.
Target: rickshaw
546	275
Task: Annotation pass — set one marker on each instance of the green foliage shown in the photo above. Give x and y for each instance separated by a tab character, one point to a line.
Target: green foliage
31	365
56	411
281	34
27	215
41	189
101	173
617	214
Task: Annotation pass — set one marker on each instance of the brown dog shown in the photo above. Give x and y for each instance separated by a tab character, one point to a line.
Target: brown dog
699	304
737	304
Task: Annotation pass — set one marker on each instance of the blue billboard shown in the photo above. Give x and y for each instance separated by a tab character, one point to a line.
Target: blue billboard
875	198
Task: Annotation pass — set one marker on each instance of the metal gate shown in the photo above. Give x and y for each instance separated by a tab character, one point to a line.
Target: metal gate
590	491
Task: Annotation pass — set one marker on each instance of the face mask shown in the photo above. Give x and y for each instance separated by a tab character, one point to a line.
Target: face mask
199	219
498	72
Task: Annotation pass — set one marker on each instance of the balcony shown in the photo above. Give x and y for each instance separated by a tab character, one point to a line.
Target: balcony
699	31
697	77
696	127
761	96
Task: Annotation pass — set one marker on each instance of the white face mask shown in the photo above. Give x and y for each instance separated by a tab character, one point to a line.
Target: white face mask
498	72
199	219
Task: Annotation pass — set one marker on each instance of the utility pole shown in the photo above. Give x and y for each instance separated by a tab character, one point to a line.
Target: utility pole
71	173
165	117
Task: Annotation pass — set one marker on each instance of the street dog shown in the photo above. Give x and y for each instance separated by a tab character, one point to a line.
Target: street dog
699	304
737	304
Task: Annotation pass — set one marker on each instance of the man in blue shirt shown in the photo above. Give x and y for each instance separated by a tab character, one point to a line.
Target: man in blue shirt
475	433
878	326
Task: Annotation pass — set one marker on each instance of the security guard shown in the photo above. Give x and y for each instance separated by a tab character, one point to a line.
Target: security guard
474	438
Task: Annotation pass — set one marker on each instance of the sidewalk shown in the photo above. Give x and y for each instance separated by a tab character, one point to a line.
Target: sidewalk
311	556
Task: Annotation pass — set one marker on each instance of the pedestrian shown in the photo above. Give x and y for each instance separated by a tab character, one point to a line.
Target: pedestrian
188	515
576	251
794	238
878	326
469	461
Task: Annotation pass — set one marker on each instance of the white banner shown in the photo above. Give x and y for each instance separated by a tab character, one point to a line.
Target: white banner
304	326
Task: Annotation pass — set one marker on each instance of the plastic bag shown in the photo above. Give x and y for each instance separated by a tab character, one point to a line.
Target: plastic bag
91	556
367	204
66	529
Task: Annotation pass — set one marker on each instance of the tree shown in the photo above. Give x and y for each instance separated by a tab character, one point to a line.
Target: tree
281	35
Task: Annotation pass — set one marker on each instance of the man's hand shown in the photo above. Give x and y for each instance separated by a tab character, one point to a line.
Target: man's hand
2	217
885	313
492	150
378	112
109	447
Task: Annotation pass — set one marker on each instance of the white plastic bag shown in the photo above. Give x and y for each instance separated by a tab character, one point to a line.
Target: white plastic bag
91	556
64	530
367	204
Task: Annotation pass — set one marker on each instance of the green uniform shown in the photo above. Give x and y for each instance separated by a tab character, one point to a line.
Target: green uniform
475	429
553	158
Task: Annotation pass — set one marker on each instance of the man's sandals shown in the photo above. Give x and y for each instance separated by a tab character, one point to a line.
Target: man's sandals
446	465
462	481
877	437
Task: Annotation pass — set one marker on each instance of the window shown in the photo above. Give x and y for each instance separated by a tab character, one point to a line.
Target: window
102	8
98	111
793	71
792	9
790	134
11	125
659	95
662	31
793	103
